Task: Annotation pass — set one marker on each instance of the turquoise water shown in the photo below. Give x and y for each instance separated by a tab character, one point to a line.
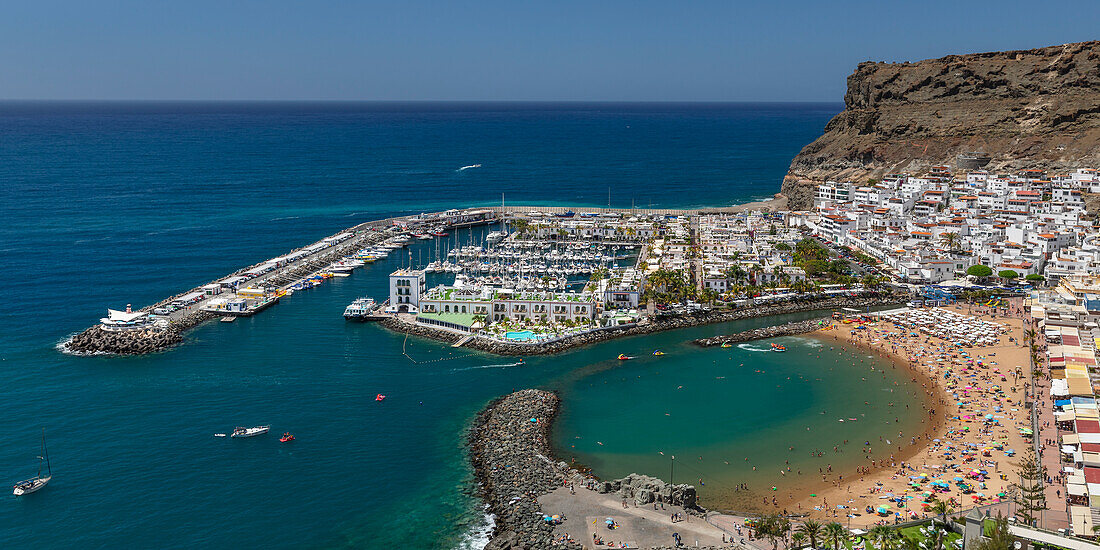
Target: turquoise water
724	411
108	204
521	336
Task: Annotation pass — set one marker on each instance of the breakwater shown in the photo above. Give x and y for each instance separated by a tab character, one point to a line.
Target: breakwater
168	331
499	347
787	329
510	451
513	464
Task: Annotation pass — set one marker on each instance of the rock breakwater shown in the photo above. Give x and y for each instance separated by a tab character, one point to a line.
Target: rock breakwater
510	451
131	342
788	329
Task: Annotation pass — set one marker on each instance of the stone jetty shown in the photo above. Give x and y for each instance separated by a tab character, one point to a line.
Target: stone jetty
647	327
788	329
510	451
131	342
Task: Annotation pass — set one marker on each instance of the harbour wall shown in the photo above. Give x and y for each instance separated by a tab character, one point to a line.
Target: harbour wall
787	329
656	325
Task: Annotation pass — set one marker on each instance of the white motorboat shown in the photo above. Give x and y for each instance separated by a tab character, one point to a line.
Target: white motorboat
249	432
29	486
362	309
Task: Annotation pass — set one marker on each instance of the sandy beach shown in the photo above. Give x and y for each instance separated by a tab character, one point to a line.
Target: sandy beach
974	409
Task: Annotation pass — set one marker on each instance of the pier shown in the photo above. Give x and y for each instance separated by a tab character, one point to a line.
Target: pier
257	287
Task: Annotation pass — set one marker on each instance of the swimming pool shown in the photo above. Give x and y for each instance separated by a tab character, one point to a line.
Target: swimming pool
520	336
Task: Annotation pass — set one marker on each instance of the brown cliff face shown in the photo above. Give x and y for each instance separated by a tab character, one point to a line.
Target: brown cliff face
1025	109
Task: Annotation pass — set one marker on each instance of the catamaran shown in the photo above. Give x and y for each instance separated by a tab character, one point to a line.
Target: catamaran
37	482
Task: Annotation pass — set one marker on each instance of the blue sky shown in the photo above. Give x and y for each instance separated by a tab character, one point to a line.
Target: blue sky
497	50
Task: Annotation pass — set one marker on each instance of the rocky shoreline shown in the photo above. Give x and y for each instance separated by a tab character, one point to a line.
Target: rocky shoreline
656	325
788	329
509	445
510	451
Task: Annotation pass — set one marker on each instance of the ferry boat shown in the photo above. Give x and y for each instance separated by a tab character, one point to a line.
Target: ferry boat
249	432
37	482
362	309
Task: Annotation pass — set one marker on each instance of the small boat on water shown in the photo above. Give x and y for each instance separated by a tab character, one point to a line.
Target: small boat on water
379	397
249	432
287	437
658	353
37	482
624	357
362	309
726	345
778	347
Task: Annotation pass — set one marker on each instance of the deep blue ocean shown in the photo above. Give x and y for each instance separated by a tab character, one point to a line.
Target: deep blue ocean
105	204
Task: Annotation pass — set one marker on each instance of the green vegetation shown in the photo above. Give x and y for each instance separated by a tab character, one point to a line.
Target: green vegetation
1035	277
1030	496
979	271
997	535
774	528
1007	274
951	241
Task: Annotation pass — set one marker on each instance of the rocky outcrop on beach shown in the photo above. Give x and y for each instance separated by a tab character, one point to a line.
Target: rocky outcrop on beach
510	451
788	329
1035	108
642	490
655	325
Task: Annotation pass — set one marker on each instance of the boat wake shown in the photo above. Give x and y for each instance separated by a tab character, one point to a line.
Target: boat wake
500	366
748	347
464	168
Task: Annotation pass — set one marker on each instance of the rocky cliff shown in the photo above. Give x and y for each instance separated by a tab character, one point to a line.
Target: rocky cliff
1025	109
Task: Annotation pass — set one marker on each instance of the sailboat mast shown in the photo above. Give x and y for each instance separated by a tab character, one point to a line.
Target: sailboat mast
46	453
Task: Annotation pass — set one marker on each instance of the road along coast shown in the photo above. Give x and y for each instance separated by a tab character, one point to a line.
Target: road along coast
404	325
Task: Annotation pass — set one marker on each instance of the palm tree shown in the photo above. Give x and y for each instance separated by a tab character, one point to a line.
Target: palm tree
812	529
797	539
883	536
942	508
836	533
950	241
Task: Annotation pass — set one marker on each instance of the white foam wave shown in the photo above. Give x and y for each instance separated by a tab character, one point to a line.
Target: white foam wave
477	538
748	347
63	347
